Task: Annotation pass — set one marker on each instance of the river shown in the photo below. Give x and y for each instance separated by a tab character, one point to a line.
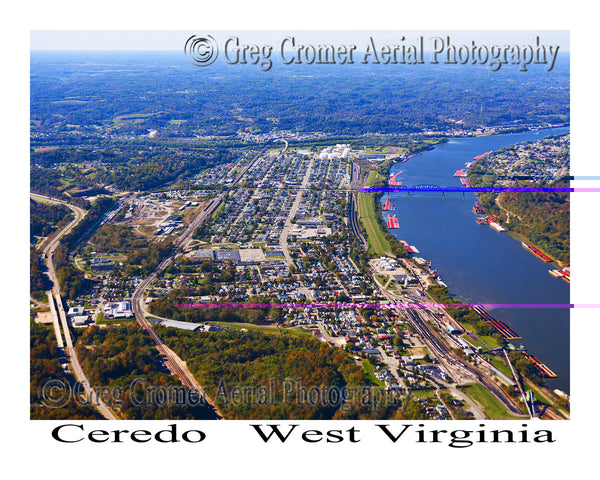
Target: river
479	264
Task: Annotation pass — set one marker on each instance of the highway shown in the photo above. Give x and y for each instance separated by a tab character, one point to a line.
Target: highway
58	312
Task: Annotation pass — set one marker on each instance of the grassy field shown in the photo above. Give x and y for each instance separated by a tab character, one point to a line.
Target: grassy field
486	342
424	394
133	117
499	364
375	238
387	149
265	329
100	320
370	372
373	177
487	402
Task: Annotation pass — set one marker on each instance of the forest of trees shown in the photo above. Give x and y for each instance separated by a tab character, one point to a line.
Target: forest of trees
233	360
72	281
39	282
96	210
542	218
463	315
124	165
46	371
45	218
76	100
113	238
166	306
123	358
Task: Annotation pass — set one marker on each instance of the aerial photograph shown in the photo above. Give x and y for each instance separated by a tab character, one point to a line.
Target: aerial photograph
300	225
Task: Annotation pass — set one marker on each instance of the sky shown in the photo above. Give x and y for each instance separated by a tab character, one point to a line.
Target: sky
175	39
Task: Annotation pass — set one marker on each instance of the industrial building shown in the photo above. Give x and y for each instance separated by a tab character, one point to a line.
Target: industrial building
101	265
75	311
118	310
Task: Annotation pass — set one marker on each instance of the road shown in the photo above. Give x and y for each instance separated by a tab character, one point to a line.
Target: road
79	214
288	223
337	341
393	365
452	364
184	239
58	312
172	361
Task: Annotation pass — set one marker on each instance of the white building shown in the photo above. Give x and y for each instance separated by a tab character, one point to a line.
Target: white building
80	320
75	311
118	310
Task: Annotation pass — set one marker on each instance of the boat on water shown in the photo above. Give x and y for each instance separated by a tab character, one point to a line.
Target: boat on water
497	227
563	274
503	329
388	205
483	155
543	369
406	246
393	180
537	252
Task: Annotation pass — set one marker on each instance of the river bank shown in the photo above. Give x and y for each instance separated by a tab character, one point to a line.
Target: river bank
480	265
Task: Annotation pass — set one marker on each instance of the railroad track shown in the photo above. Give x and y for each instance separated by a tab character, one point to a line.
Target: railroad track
445	356
353	221
172	361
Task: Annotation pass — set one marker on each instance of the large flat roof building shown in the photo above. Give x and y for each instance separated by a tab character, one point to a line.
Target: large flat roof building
75	311
118	310
181	325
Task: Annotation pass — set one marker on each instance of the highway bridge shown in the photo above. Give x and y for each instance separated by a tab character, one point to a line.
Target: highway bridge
59	315
423	188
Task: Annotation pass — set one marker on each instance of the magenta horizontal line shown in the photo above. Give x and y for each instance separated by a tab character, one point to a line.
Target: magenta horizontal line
350	306
479	189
